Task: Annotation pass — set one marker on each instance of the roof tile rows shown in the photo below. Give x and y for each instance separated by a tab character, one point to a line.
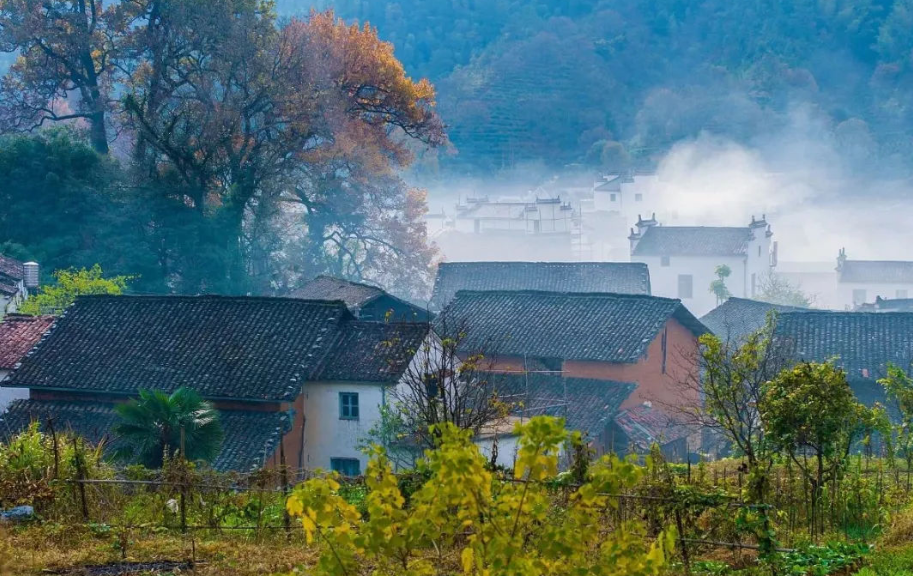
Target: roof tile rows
862	343
250	436
600	327
238	348
12	271
18	334
736	318
617	277
693	241
645	425
354	294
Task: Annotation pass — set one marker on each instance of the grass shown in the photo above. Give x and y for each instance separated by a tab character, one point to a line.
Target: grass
38	549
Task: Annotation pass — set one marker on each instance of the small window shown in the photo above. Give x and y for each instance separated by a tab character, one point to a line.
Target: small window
859	296
432	389
664	261
348	406
759	251
901	294
612	197
638	197
685	286
346	466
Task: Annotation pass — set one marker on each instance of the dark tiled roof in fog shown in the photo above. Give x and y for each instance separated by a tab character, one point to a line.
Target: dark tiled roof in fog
354	294
736	318
693	241
18	334
599	327
615	277
875	271
240	348
587	405
862	343
250	436
372	351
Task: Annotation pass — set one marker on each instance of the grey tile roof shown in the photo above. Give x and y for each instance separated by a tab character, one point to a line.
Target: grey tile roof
372	352
11	268
239	348
862	343
887	305
616	277
736	318
354	294
250	436
600	327
587	405
693	241
883	272
645	425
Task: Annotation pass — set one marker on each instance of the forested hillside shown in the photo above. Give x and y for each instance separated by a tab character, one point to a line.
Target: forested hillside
560	79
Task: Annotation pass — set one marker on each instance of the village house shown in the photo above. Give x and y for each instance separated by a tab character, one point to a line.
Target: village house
365	302
303	373
683	259
18	334
862	281
16	280
614	277
887	305
737	318
861	343
621	340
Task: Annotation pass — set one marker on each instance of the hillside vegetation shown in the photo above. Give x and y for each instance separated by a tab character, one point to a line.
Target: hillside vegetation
549	79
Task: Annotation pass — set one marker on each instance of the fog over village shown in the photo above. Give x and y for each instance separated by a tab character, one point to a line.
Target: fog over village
437	287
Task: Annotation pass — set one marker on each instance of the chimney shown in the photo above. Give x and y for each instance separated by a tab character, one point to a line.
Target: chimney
31	277
642	227
841	259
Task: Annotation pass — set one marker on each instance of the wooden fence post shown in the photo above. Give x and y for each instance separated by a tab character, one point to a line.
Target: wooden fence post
183	464
80	477
286	518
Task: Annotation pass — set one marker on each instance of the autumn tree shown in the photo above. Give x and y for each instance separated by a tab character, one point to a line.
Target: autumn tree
68	51
69	285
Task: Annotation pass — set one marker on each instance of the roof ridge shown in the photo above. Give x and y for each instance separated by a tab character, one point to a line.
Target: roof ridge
214	297
571	294
540	262
347	281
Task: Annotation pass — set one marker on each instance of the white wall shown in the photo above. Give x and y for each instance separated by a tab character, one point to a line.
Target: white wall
664	279
8	395
327	436
507	448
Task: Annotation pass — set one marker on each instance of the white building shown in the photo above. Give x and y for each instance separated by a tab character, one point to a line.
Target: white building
16	279
683	259
862	281
817	280
627	194
539	216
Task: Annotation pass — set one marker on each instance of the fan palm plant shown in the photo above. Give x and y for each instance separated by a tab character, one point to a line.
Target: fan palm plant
151	425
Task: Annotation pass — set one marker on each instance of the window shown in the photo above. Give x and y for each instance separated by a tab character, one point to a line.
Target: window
859	296
759	251
612	197
901	294
664	261
346	466
432	388
348	405
685	285
638	197
665	338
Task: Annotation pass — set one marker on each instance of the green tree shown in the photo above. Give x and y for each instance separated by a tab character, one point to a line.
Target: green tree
899	387
718	286
811	414
157	424
70	284
777	290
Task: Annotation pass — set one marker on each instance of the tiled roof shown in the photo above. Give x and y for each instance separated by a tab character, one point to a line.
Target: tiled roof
250	436
372	351
882	272
18	333
11	268
355	295
862	343
240	348
616	277
693	241
887	305
8	288
587	405
600	327
738	317
645	425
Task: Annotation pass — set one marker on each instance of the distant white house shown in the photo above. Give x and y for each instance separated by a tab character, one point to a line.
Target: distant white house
683	259
627	194
861	282
16	279
817	280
